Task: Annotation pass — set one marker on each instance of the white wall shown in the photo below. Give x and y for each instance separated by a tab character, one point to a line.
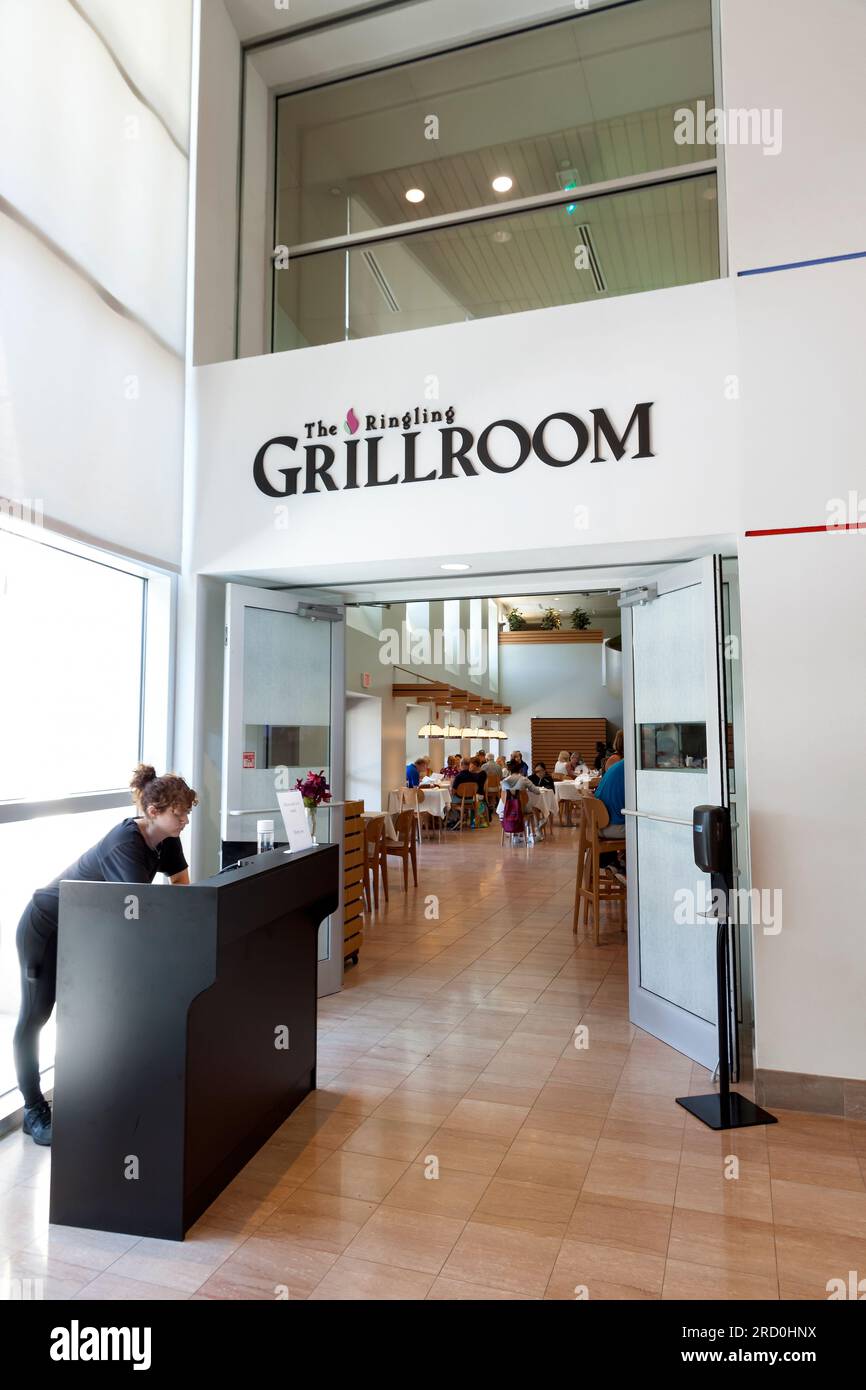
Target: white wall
805	60
216	185
803	599
552	681
94	181
364	750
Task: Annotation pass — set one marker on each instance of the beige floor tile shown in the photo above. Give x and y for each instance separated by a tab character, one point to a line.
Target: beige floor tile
528	1201
728	1242
489	1118
112	1288
809	1260
365	1177
362	1281
467	1153
703	1189
502	1093
625	1224
583	1270
269	1267
819	1208
320	1220
183	1265
553	1160
453	1291
452	1193
406	1239
634	1177
36	1275
396	1139
515	1260
837	1170
705	1282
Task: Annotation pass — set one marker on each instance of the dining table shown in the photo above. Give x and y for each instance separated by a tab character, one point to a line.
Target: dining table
567	792
540	799
436	800
390	830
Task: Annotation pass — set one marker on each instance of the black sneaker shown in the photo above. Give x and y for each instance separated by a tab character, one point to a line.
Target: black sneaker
37	1122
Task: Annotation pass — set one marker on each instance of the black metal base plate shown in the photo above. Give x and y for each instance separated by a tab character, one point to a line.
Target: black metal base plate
739	1113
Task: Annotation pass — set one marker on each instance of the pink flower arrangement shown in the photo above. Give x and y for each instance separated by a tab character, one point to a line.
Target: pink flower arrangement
314	788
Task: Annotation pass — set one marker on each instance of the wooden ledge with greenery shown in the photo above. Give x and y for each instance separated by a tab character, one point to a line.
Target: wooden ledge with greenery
540	634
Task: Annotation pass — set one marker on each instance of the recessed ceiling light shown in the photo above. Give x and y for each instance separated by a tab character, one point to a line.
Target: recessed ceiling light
502	236
502	183
415	195
709	194
455	567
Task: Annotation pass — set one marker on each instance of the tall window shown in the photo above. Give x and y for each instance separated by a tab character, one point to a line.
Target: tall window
84	696
493	644
546	167
476	654
451	633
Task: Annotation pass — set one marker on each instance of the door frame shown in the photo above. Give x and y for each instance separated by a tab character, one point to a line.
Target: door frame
239	597
694	1036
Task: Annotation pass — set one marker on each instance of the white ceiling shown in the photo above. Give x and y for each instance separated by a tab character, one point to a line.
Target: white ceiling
258	19
598	567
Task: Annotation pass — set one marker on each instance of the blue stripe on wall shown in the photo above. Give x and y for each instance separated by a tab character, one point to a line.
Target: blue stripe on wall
798	265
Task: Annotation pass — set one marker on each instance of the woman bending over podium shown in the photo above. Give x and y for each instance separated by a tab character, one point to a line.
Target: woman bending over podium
135	851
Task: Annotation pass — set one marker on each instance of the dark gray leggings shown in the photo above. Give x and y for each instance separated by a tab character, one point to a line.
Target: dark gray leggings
36	939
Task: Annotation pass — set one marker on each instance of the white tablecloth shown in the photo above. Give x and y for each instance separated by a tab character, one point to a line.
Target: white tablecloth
390	832
540	799
436	800
571	791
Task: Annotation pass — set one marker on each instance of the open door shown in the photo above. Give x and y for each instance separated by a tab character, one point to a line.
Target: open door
676	759
284	708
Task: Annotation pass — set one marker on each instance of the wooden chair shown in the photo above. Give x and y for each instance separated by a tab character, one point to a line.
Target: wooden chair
423	808
375	861
492	792
405	848
594	884
466	795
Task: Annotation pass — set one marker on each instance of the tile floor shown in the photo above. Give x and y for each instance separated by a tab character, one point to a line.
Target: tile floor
451	1051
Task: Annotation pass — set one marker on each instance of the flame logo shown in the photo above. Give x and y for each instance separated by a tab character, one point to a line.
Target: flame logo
352	422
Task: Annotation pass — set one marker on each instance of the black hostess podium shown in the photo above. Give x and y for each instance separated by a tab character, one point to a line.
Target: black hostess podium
186	1034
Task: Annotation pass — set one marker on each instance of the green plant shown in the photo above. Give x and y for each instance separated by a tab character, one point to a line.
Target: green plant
515	619
580	619
550	620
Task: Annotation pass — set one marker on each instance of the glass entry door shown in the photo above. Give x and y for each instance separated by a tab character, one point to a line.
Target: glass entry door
283	717
675	760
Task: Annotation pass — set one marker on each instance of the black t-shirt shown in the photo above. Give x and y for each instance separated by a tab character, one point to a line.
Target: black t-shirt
464	775
545	780
122	856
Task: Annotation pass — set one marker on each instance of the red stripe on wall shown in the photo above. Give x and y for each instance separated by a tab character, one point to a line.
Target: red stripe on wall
806	530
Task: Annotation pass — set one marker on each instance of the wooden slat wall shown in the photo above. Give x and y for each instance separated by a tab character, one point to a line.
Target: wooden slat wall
549	736
353	878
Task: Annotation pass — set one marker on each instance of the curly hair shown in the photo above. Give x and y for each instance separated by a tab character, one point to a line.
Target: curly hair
165	793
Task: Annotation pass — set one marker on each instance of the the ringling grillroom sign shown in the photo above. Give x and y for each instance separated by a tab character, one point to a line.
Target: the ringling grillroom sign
424	445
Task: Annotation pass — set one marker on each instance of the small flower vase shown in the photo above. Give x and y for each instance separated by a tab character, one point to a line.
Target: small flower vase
311	820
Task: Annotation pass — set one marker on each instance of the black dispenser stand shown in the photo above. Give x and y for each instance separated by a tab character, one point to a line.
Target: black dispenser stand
725	1109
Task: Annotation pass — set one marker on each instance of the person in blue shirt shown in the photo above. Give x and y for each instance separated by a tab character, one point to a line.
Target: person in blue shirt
518	756
611	790
415	771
